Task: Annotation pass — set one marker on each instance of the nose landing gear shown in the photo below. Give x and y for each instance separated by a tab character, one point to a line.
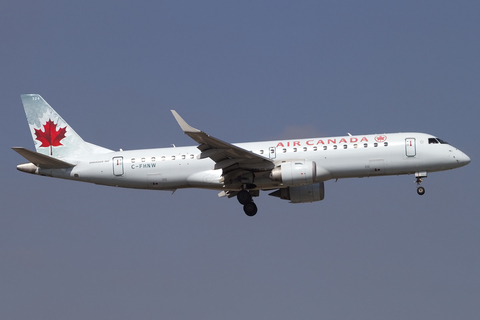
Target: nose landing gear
421	191
419	176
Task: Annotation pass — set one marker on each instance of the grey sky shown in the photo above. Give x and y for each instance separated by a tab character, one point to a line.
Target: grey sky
241	71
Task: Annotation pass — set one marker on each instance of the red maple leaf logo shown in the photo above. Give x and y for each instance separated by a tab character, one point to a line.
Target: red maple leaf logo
51	137
381	138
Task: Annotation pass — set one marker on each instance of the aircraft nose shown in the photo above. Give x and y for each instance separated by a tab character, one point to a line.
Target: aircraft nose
467	159
462	158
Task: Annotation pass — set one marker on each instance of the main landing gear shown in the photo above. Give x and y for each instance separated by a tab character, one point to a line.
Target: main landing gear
245	198
419	176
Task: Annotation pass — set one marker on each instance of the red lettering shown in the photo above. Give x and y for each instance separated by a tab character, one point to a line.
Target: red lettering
329	141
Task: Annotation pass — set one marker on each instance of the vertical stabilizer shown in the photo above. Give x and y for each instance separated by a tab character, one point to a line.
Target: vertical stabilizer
51	134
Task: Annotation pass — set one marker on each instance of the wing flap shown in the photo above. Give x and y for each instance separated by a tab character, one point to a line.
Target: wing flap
41	160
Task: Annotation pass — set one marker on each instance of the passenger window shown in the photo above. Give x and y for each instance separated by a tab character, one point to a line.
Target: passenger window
334	147
173	157
365	145
375	144
143	159
183	157
192	156
304	148
261	151
324	147
314	148
284	150
385	144
344	146
294	149
163	158
153	159
355	146
133	160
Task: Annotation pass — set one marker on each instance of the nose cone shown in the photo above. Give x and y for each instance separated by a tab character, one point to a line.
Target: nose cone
466	159
462	158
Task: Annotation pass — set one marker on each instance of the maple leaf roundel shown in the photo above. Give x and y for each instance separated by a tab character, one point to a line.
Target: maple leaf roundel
51	137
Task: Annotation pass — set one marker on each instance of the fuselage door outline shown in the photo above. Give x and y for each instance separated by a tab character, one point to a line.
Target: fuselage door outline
118	166
410	147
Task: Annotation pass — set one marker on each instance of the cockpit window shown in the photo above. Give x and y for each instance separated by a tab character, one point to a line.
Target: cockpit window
436	140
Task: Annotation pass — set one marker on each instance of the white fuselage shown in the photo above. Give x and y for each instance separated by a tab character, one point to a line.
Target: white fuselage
335	158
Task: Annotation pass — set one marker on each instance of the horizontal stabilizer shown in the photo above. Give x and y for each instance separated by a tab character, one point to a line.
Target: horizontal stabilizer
41	160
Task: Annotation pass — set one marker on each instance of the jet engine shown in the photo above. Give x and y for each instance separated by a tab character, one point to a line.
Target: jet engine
295	173
300	194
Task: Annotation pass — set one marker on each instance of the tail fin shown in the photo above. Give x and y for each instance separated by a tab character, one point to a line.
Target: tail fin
51	134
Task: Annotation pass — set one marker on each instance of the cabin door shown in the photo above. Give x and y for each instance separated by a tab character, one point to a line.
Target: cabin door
410	147
118	166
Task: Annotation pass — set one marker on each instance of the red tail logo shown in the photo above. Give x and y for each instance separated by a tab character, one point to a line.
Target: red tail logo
51	137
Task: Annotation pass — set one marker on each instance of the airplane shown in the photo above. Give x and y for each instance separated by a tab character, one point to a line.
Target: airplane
290	169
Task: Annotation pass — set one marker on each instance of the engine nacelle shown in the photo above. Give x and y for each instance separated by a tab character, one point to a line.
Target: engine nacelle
295	173
309	193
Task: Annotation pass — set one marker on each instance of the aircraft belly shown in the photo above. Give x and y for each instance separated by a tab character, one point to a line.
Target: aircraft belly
209	179
368	163
164	180
345	167
173	175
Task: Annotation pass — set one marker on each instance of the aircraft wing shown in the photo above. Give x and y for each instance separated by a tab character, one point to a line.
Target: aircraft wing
225	155
41	160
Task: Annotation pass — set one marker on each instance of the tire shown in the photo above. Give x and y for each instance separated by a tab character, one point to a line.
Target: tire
244	197
250	209
421	191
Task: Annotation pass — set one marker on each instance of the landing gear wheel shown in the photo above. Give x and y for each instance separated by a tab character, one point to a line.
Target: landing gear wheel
244	197
250	209
421	191
420	175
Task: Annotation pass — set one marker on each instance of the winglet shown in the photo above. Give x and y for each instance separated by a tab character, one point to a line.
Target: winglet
185	127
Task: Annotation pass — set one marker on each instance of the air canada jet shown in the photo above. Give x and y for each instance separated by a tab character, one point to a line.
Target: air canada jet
290	169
